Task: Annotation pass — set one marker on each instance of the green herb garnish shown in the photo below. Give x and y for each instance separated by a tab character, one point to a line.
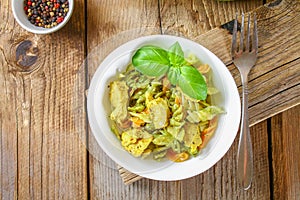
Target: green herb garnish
155	61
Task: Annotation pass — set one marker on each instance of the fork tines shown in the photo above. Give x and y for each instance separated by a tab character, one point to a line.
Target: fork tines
248	48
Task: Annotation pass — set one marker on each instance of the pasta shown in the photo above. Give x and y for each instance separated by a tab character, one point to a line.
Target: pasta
152	117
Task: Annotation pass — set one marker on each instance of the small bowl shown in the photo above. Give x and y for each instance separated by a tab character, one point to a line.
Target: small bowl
21	17
98	109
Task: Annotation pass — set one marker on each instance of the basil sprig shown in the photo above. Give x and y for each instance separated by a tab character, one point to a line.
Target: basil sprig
155	61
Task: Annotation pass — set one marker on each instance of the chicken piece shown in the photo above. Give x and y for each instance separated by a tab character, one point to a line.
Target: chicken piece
192	137
159	112
136	141
119	100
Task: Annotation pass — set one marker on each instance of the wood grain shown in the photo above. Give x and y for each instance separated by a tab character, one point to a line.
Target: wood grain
40	155
193	18
44	134
285	153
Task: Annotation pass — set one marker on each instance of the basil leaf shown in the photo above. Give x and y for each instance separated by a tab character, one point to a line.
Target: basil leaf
151	61
192	83
155	61
176	55
173	74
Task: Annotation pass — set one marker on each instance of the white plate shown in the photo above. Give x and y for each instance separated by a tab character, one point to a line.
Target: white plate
98	107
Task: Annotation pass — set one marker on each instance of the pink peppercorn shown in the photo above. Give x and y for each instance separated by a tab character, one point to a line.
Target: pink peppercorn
59	19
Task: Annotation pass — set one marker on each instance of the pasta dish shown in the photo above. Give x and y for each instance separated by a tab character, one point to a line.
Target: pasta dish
152	117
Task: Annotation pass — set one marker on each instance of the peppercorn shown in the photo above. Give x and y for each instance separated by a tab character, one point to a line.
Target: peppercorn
46	13
59	19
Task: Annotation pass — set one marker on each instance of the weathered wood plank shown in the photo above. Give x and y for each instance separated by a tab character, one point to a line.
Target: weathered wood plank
8	119
41	155
285	154
192	18
8	136
225	185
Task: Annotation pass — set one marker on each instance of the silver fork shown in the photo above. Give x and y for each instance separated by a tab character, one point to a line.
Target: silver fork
244	59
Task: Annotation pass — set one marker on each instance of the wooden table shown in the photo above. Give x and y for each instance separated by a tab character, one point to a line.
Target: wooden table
44	132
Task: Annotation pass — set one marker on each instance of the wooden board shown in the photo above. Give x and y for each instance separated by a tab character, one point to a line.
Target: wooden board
285	162
41	155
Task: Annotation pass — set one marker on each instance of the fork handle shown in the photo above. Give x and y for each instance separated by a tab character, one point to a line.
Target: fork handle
245	154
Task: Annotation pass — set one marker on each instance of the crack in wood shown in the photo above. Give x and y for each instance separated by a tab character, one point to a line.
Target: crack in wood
274	3
229	26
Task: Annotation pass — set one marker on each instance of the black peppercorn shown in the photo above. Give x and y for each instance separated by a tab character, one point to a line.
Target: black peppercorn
46	13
